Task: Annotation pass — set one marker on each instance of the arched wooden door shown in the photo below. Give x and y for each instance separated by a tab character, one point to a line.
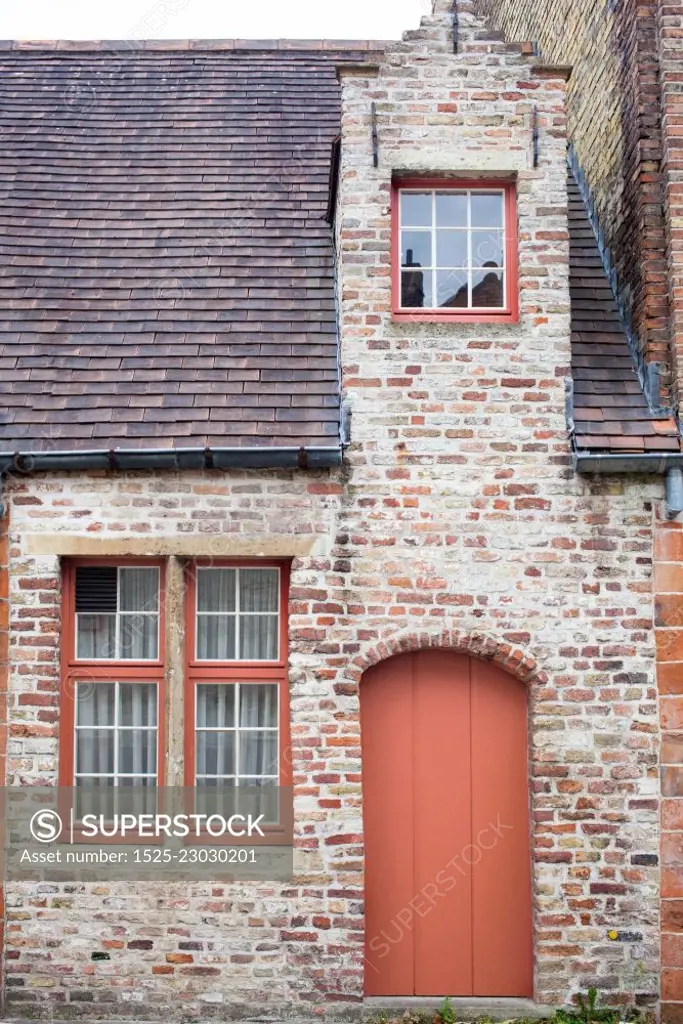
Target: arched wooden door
447	849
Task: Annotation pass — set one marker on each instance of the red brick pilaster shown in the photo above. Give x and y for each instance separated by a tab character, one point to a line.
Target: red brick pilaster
640	243
669	599
670	43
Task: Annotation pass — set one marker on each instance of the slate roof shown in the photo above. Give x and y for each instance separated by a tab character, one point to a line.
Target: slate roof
166	268
611	413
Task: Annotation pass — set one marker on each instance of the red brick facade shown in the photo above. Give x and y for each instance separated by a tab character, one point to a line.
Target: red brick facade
669	587
457	521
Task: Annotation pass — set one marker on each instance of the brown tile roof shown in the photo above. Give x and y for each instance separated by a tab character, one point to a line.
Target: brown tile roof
166	268
611	412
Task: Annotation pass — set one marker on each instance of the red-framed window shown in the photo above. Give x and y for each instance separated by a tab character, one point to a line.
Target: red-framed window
237	700
112	687
454	250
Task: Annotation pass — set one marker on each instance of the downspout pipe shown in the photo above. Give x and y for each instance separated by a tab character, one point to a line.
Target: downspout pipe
674	492
670	466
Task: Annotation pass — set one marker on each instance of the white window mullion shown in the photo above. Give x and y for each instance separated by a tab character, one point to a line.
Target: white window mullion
238	632
277	749
470	270
116	733
433	276
196	725
504	254
117	630
238	709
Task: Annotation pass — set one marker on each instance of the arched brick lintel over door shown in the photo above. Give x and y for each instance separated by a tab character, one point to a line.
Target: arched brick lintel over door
446	818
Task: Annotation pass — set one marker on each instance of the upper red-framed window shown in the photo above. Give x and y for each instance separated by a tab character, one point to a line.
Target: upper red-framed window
454	250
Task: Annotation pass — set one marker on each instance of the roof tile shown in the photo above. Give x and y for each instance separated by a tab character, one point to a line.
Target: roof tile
610	410
160	229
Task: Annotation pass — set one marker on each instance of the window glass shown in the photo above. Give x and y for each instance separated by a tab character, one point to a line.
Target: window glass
138	639
451	209
487	209
216	590
416	249
237	733
416	209
116	733
416	288
97	636
452	288
488	289
237	614
138	590
216	637
452	247
117	613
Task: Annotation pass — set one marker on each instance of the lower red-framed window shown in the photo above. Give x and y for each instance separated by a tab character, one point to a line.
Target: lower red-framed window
454	250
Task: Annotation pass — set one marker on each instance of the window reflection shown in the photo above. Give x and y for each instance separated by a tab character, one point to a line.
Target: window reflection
413	284
487	290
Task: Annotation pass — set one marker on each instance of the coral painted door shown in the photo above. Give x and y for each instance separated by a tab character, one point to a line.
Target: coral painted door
445	807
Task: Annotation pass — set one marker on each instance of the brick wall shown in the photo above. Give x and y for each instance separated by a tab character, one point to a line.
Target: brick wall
669	587
456	521
178	950
461	432
614	124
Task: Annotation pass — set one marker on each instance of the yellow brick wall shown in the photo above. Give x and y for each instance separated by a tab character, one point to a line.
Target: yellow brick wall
614	124
582	33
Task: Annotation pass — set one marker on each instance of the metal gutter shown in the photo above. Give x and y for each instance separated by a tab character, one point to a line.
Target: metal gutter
24	462
655	462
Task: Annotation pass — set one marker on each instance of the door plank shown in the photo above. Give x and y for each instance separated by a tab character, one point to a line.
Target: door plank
386	731
442	817
501	894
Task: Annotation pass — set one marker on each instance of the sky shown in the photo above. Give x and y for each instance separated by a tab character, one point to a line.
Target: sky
209	19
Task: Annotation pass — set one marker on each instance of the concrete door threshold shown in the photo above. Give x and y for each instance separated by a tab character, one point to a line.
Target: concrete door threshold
466	1008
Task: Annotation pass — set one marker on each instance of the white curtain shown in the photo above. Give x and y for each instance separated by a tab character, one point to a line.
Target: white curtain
106	734
216	614
259	632
96	636
225	596
215	711
137	735
95	710
258	711
139	593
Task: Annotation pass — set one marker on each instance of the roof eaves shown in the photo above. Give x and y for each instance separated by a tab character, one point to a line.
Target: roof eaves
89	45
